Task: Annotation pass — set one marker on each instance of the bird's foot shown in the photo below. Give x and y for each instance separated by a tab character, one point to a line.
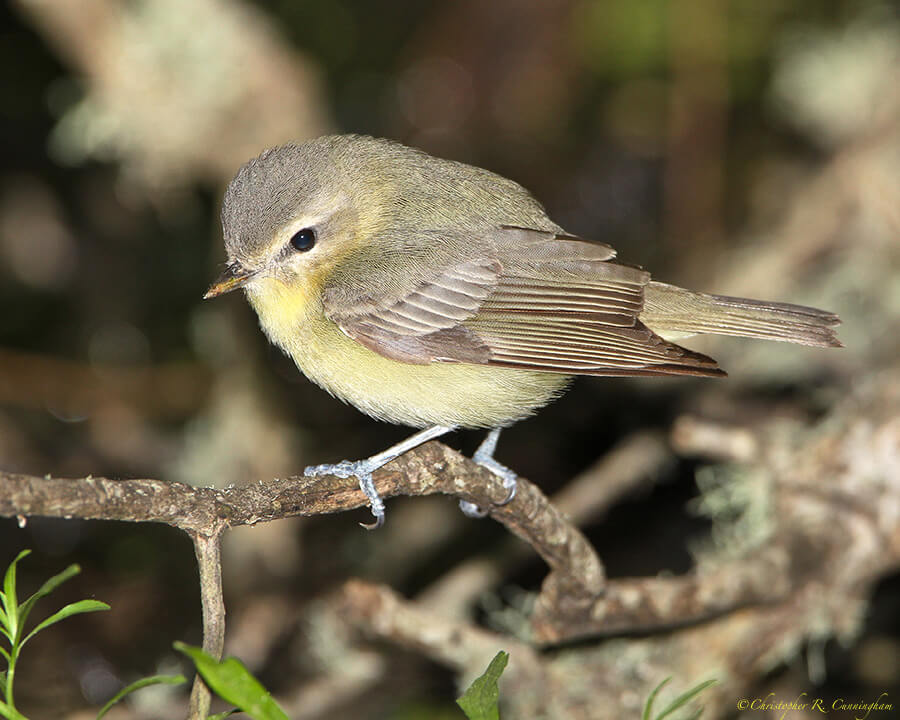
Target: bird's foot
484	456
362	470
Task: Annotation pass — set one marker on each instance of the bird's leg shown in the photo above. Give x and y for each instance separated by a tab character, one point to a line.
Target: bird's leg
363	469
484	456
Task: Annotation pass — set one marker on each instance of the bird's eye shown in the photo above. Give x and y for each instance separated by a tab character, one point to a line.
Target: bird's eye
304	240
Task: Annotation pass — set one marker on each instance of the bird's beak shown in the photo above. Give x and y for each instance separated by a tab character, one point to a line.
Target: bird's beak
233	277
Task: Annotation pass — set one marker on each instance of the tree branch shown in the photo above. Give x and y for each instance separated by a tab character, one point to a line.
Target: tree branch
429	469
660	603
633	463
382	613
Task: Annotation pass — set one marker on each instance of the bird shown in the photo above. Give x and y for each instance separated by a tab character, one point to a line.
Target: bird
435	294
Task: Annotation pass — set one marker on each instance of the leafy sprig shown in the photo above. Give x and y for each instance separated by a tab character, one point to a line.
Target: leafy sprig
13	619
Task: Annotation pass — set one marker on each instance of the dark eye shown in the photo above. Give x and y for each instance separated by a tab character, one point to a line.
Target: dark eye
304	239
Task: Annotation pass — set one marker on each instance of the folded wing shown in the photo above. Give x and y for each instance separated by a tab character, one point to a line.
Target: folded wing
537	301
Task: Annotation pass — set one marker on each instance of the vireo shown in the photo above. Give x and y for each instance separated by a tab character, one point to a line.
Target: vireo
435	294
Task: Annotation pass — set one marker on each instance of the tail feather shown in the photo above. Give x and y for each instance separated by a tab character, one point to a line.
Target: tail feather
672	312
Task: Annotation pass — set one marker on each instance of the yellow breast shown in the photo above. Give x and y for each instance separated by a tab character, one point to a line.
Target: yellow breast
453	394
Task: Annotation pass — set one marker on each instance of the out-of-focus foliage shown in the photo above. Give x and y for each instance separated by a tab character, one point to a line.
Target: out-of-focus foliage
675	704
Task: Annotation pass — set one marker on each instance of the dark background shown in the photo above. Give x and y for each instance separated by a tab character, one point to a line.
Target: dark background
743	148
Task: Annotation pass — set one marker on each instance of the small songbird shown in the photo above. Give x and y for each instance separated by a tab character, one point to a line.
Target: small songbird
438	295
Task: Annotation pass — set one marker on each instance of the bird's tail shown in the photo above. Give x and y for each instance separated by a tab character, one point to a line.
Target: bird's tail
673	312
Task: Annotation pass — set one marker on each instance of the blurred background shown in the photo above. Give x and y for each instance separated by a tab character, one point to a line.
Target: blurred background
745	148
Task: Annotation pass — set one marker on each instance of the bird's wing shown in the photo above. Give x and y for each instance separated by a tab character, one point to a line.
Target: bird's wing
537	300
426	325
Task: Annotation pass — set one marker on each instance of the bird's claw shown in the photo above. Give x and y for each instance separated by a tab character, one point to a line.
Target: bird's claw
507	476
362	471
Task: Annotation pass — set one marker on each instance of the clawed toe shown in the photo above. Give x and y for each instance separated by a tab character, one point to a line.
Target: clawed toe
511	486
484	456
362	471
343	469
507	476
509	482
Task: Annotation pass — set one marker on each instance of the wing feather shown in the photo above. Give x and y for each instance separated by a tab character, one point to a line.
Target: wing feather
593	348
540	301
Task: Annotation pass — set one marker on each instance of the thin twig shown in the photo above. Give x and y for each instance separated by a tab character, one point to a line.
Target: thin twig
209	564
381	612
695	436
33	381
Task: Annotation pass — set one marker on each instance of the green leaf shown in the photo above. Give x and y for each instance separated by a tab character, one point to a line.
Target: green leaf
232	682
10	713
137	685
684	698
222	715
648	707
9	600
479	702
44	590
76	608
